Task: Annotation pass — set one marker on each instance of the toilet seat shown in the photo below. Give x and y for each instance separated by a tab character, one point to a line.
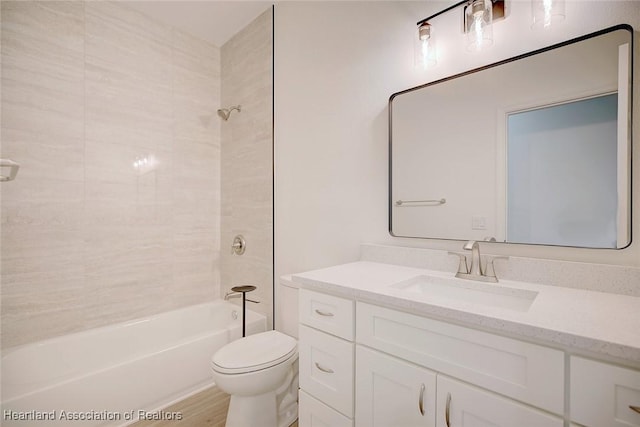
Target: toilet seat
254	353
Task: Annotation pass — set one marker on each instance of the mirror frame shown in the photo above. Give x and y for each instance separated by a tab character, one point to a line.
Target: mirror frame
625	27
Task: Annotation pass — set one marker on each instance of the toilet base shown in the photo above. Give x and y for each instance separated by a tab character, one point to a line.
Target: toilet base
251	411
277	408
288	415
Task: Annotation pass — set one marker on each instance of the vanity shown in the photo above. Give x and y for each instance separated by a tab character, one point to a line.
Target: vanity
388	345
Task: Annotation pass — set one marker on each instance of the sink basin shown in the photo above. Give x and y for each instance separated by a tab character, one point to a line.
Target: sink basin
467	291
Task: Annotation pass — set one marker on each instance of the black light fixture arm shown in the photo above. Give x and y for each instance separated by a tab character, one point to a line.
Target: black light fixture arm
453	6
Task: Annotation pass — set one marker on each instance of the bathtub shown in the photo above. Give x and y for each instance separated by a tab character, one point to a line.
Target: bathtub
114	375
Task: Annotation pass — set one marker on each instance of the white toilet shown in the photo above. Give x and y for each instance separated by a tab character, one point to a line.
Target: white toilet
260	373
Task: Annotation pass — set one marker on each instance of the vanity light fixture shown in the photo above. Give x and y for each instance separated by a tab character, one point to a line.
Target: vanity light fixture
478	16
478	19
426	51
545	13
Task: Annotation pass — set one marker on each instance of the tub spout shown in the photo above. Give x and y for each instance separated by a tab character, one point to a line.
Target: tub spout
232	294
229	295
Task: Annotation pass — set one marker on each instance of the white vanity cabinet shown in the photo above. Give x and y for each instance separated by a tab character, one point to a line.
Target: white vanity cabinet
363	365
464	405
393	392
326	360
434	351
526	372
604	394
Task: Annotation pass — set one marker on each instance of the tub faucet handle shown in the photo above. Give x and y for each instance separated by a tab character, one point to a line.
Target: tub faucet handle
239	245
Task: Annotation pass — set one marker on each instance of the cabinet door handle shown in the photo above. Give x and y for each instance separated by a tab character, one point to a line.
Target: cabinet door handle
323	369
447	410
635	408
324	313
421	400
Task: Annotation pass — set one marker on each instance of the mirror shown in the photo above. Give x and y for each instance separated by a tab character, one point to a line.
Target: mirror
535	149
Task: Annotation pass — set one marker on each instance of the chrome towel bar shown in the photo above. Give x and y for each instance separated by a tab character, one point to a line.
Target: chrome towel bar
414	202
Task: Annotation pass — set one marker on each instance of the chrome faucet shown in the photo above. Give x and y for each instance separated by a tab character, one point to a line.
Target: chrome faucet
476	271
476	266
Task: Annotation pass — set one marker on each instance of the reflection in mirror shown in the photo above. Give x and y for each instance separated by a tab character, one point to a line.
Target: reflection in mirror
561	174
535	149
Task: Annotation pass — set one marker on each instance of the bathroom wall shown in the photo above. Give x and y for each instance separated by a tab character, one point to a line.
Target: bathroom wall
247	161
332	83
92	235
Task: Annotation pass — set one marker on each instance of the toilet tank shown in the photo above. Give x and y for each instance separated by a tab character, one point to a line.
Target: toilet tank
287	306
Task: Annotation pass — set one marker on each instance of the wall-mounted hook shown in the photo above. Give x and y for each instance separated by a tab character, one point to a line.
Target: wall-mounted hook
13	169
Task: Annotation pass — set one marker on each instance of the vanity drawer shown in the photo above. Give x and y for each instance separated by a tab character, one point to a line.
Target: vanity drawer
602	394
530	373
327	313
326	369
313	413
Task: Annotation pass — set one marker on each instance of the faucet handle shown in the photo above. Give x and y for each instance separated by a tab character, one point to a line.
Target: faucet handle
489	268
462	265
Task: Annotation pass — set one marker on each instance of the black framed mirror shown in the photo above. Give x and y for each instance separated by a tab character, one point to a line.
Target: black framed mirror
535	149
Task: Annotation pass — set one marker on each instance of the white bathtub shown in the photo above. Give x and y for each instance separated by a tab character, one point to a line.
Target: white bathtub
106	376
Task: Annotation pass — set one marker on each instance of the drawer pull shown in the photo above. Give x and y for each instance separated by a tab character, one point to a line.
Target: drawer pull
324	313
447	409
421	400
326	370
635	408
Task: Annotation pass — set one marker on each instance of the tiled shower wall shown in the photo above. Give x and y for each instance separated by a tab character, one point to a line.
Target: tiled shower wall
87	238
247	165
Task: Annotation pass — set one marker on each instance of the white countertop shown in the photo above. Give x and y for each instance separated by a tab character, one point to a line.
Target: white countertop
583	322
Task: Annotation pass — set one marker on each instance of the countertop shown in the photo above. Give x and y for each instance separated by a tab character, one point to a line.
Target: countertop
590	323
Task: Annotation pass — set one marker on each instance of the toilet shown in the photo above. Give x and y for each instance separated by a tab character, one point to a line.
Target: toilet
260	373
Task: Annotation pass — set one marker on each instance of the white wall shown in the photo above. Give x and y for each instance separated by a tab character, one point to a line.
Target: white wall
336	63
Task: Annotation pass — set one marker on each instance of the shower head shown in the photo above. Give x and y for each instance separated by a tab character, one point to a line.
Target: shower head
224	113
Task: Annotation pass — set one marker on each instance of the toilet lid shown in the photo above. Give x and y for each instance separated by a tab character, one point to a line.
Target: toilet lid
255	352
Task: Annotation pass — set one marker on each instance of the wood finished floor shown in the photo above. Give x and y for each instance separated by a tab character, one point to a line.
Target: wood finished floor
205	409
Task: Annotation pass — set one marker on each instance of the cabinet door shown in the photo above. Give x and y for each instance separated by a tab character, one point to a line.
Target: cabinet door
526	372
603	394
463	405
392	393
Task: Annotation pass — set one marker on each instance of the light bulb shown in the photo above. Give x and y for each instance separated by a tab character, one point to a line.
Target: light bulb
545	13
478	19
425	48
